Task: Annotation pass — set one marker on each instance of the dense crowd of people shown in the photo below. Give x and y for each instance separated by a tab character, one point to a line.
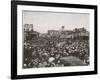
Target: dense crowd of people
49	52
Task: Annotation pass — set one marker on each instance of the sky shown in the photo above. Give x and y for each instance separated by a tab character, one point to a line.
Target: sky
44	21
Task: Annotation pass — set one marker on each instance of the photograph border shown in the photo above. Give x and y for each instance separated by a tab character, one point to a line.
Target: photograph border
14	41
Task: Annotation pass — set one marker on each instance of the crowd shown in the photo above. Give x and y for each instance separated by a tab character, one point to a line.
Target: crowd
50	52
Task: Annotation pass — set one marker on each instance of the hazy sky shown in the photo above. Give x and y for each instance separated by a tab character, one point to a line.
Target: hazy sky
44	21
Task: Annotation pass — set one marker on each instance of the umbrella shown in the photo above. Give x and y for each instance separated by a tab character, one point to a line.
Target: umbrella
72	61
